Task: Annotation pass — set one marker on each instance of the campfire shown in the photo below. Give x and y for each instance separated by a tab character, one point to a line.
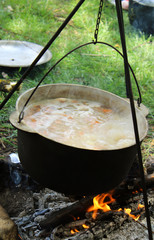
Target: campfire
40	213
102	202
101	211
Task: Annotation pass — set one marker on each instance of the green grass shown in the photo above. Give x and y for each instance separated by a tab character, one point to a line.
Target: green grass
94	65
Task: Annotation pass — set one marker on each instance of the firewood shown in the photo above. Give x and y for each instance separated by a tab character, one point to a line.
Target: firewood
79	208
76	223
66	214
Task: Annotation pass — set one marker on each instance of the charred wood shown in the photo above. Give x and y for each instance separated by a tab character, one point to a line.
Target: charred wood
65	215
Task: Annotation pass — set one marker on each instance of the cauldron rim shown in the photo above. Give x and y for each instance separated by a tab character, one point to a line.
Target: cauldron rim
23	126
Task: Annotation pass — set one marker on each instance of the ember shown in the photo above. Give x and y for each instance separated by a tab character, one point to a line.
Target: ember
74	231
85	226
80	224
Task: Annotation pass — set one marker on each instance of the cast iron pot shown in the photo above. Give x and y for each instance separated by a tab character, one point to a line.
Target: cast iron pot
68	169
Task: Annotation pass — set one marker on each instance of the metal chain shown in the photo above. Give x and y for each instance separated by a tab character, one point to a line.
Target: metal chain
98	21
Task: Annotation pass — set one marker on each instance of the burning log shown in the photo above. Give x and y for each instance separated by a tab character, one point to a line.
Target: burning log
101	228
66	214
80	207
76	223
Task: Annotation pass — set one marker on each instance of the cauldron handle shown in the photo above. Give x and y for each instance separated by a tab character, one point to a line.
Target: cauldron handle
139	100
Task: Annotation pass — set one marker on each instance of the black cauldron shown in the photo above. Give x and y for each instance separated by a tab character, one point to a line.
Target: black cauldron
69	169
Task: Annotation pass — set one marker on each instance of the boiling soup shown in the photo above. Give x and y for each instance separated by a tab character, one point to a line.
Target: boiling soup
80	123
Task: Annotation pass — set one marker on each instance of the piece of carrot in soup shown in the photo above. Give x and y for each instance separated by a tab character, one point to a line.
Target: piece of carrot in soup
107	110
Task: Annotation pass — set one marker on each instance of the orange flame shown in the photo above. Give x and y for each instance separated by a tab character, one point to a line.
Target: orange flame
128	211
85	226
74	231
101	201
140	206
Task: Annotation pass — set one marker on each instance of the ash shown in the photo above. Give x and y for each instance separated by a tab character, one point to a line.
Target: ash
28	204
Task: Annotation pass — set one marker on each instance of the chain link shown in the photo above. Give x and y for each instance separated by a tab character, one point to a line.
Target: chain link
98	21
